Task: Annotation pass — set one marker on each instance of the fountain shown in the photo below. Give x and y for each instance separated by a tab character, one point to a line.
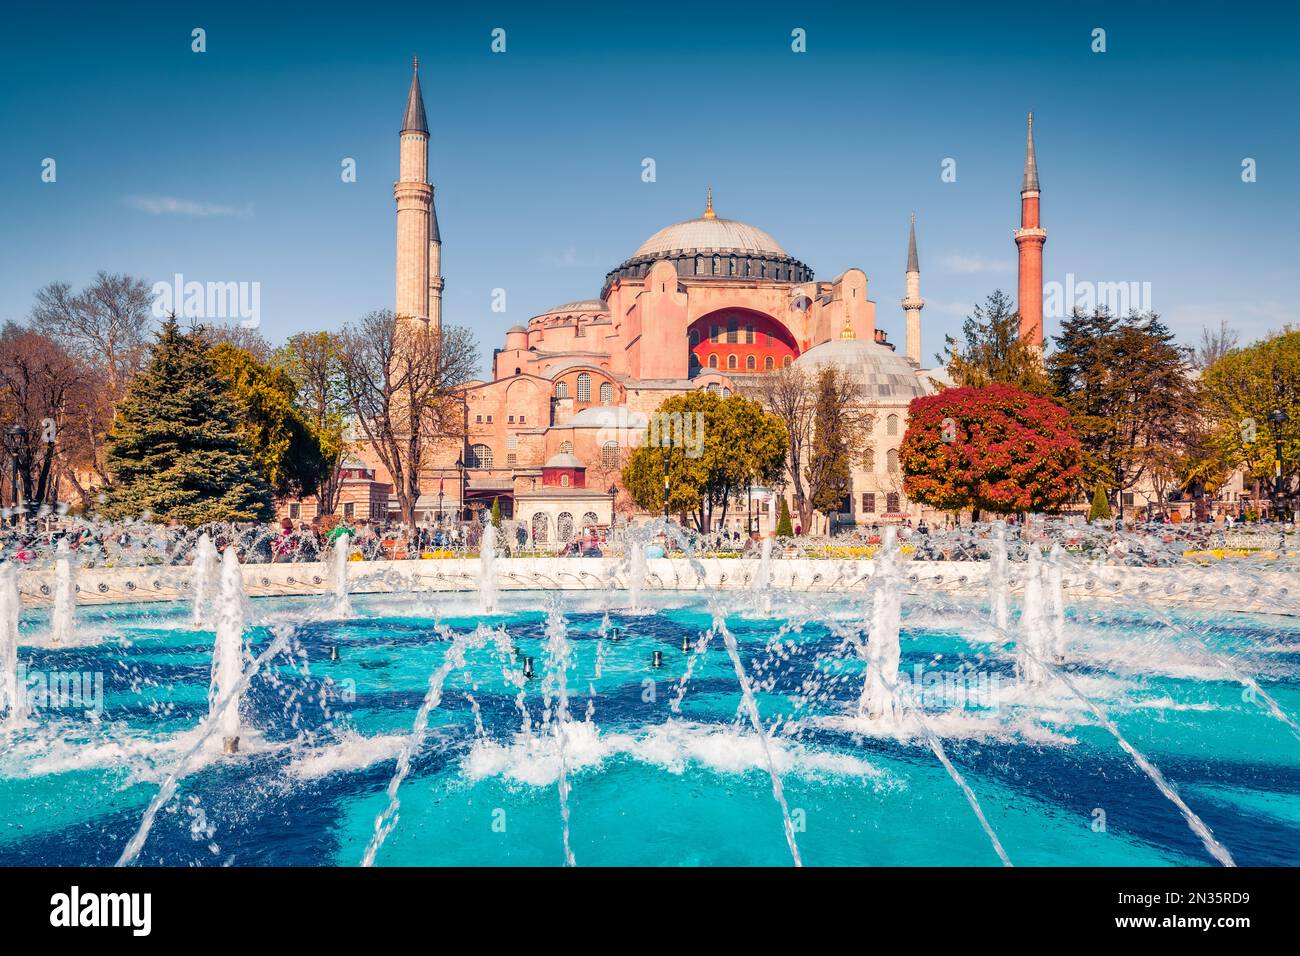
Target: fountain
487	569
763	580
228	653
342	607
1053	582
882	650
1035	637
63	614
999	583
807	706
203	577
12	704
637	570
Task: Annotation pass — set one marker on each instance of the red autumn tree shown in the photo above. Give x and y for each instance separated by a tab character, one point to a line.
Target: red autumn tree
996	448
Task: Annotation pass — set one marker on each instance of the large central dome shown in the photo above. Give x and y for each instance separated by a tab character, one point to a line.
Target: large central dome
710	248
710	233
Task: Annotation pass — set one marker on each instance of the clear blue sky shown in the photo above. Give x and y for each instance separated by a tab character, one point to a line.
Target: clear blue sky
225	165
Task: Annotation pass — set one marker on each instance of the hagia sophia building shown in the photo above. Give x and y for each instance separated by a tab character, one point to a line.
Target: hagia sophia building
708	303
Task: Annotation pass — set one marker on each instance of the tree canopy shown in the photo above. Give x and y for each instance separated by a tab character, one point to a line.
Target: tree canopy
740	445
175	450
997	448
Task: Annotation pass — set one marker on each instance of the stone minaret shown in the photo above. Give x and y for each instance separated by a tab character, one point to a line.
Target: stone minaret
912	302
1030	238
419	248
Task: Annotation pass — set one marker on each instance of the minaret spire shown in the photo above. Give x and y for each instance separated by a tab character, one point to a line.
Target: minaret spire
418	250
1030	182
1030	239
912	302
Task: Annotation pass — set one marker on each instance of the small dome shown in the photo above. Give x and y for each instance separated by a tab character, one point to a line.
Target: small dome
709	233
516	328
885	375
563	460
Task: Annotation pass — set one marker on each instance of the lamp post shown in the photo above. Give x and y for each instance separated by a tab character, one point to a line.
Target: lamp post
1277	418
15	441
439	501
460	464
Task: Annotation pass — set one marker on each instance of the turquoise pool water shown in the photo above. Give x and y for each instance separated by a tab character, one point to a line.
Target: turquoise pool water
648	785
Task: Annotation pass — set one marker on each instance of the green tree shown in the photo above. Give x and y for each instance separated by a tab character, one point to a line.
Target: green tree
715	448
991	352
284	443
784	529
1126	384
175	449
1241	391
1100	510
496	512
314	360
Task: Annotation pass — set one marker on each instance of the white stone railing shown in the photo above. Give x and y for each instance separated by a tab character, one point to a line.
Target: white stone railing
1261	591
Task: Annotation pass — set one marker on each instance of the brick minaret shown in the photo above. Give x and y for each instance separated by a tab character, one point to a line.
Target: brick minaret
1030	238
912	302
419	247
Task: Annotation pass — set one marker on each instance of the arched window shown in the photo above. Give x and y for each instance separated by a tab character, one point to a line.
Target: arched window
699	265
480	456
584	387
891	501
869	459
695	361
694	337
589	520
891	425
769	363
609	454
731	331
541	528
566	448
713	360
717	265
891	461
564	480
785	362
715	333
564	528
749	335
751	363
731	361
561	389
606	393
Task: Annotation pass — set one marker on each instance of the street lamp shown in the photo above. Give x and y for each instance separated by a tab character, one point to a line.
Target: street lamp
1277	418
460	463
15	442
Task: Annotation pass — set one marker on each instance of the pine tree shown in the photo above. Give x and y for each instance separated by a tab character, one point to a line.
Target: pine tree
496	512
1100	510
784	529
175	450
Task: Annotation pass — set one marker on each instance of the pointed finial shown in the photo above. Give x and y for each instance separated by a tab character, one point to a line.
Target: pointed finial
415	64
708	208
1030	182
847	331
913	263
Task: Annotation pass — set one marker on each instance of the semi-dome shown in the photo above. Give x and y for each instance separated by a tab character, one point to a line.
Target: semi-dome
884	374
724	235
563	460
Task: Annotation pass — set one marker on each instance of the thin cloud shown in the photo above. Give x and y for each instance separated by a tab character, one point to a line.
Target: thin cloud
569	259
176	206
970	265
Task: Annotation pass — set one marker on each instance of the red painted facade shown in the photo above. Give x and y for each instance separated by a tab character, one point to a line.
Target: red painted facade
740	341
